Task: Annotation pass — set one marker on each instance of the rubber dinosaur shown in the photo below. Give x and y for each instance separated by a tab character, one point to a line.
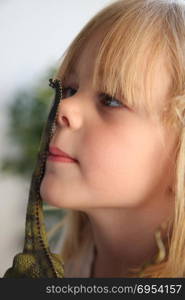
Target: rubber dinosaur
36	260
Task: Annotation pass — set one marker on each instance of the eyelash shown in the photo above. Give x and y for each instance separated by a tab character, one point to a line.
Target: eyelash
105	96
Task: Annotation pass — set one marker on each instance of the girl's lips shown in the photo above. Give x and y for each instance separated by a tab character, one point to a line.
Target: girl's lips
56	152
60	158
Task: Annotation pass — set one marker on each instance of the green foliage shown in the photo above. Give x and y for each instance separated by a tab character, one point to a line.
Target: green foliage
27	116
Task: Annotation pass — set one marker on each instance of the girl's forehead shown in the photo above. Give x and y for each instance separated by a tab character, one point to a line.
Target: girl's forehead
85	61
158	81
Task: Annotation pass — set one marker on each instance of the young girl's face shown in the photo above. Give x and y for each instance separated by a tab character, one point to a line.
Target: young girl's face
121	160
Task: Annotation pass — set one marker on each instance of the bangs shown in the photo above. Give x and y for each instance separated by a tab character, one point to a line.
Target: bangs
125	67
126	58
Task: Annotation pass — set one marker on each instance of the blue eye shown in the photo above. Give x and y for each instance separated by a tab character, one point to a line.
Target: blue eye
65	90
106	100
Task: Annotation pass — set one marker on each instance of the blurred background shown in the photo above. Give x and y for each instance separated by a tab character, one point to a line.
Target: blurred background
34	35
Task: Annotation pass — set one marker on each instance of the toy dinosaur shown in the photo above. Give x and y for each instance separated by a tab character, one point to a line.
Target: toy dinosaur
36	260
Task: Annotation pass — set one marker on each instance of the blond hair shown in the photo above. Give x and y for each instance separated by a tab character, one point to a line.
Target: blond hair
137	32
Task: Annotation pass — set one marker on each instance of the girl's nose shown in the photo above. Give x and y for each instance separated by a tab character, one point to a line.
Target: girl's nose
69	114
63	120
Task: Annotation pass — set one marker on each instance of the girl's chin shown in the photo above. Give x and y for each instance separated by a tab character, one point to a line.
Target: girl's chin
46	193
51	194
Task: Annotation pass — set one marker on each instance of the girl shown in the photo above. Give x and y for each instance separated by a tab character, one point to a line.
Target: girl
121	119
